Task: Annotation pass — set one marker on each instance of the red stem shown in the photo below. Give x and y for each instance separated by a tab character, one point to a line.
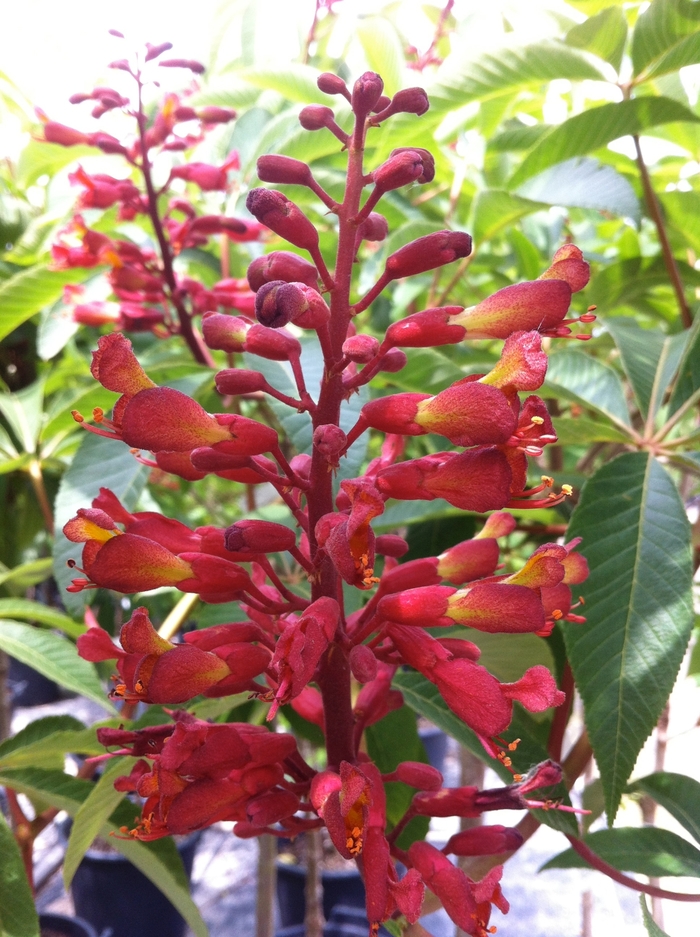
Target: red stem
561	715
194	341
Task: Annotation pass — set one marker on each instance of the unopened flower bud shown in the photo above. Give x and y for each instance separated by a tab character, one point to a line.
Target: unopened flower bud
211	114
192	64
282	216
363	663
185	113
273	344
224	333
375	227
426	157
330	440
360	348
152	52
332	84
281	265
406	101
276	303
64	136
382	102
484	841
469	560
316	117
421	776
400	169
393	361
251	536
390	545
283	169
426	329
429	252
239	381
365	93
568	264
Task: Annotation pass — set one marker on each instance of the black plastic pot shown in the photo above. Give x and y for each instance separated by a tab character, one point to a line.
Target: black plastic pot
341	887
345	921
28	687
110	892
65	926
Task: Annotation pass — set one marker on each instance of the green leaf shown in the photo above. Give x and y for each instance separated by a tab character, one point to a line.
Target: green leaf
652	928
604	34
23	411
597	127
511	68
677	793
99	462
584	183
645	850
27	574
43	614
427	371
424	698
46	159
26	293
391	740
402	513
92	814
666	37
50	751
587	381
625	659
578	431
18	917
159	860
682	210
688	381
295	81
627	282
54	656
383	49
649	357
494	209
37	731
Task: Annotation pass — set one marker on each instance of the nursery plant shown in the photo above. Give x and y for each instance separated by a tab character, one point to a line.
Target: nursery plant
310	608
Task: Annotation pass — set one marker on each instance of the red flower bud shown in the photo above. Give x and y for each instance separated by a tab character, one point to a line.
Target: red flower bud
274	344
375	227
281	265
208	178
426	606
360	348
426	329
332	84
239	381
363	663
316	116
211	114
365	93
427	160
249	536
484	841
283	169
390	545
282	216
330	440
469	560
162	418
64	136
539	304
568	264
426	253
192	64
419	775
406	101
153	51
393	361
497	607
224	333
403	167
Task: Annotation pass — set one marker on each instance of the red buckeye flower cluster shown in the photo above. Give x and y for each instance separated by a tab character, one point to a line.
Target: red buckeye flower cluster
305	651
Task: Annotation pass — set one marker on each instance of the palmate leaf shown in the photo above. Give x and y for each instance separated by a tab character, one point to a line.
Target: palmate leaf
159	860
494	209
18	917
688	381
586	132
650	359
666	37
509	68
645	850
639	612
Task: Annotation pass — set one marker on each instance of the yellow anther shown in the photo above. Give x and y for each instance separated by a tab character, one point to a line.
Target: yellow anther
557	614
567	490
538	420
98	414
547	480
